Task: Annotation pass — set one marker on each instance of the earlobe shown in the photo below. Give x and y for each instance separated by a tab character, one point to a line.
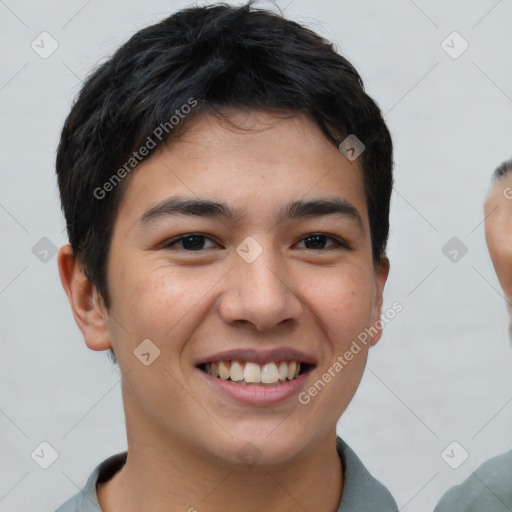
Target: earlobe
90	315
381	276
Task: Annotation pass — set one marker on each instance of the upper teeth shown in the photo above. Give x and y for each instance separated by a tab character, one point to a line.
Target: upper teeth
268	373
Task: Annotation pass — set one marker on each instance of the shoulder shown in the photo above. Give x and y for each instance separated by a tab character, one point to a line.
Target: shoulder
86	500
488	488
361	491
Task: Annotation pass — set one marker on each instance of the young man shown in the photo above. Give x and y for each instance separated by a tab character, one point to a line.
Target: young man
226	185
489	488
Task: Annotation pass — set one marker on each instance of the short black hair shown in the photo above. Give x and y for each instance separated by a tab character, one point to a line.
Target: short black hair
207	58
503	170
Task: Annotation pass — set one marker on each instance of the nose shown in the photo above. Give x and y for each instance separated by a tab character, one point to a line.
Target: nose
260	293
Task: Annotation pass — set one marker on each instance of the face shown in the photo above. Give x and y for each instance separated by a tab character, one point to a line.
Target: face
272	282
498	231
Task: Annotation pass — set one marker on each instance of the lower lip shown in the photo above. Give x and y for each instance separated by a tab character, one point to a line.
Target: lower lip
257	395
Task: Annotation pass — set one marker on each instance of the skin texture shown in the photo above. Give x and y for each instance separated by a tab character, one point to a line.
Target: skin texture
183	436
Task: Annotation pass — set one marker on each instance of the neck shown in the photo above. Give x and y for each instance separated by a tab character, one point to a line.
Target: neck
179	478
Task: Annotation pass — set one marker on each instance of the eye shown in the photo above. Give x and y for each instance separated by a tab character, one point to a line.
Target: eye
189	242
317	241
198	242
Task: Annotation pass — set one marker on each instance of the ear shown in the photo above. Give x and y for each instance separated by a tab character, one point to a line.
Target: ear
87	305
381	276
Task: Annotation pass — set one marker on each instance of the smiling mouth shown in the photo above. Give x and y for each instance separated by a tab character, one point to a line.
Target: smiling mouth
253	374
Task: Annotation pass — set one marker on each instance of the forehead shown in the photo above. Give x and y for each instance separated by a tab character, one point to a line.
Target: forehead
248	154
500	190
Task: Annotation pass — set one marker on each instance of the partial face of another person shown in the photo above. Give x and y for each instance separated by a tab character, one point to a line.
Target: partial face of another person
263	284
498	234
498	230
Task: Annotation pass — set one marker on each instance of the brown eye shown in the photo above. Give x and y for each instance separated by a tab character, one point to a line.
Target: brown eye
189	242
318	241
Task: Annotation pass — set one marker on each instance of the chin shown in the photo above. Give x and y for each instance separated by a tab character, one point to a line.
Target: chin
261	449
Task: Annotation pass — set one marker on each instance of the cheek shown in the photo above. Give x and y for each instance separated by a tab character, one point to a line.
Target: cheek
164	304
344	301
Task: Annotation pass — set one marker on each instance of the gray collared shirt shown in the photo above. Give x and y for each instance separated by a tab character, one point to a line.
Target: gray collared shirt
361	492
488	489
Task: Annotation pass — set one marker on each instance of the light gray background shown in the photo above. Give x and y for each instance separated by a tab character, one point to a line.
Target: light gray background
442	371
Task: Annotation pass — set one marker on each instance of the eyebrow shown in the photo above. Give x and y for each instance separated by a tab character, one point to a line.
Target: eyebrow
214	209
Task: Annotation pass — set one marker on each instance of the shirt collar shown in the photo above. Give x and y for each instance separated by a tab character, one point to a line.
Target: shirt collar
361	491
